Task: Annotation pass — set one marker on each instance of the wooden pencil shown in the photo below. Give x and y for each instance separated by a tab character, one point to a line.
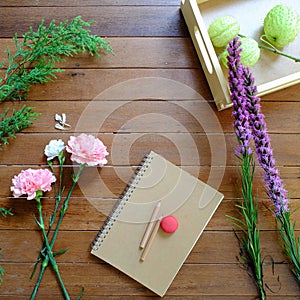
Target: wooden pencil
150	241
150	225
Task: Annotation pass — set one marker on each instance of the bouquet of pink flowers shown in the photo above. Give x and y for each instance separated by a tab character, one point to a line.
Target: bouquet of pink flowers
85	150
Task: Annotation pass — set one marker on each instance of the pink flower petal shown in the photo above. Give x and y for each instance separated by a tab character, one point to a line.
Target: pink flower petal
86	149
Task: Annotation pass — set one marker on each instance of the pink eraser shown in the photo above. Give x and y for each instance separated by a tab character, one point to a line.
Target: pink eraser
169	224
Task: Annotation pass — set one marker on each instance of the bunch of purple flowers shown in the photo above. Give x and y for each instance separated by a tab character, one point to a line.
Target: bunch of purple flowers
249	123
249	234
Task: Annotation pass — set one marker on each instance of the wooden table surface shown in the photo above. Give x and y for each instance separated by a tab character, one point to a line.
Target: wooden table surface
151	95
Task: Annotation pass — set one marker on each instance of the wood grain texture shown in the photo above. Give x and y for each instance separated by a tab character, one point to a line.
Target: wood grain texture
210	146
77	242
54	3
168	116
111	181
110	20
162	53
104	280
150	95
97	210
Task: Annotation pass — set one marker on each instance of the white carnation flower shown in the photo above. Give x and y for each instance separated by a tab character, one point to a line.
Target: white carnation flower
53	148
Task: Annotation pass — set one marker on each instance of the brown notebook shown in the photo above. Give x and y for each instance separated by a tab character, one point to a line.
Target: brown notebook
182	195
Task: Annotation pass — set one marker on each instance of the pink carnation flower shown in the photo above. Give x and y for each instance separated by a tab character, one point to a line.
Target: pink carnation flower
86	149
29	181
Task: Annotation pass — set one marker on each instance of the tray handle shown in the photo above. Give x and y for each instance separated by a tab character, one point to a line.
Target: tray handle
206	53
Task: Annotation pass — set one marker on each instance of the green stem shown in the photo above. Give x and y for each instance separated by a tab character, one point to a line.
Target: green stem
58	196
59	192
249	237
273	49
38	282
62	213
251	215
289	243
65	204
49	249
276	51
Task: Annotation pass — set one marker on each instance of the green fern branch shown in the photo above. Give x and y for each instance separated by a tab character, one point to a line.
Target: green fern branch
35	56
19	120
33	62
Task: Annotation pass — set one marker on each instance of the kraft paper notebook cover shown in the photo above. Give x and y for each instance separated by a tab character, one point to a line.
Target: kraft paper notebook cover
182	195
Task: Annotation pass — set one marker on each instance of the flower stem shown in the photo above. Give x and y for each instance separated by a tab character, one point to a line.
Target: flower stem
273	49
289	243
65	204
38	282
58	196
54	236
49	250
249	237
59	192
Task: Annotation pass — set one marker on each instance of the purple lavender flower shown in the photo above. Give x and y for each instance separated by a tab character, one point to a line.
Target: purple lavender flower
250	122
264	150
249	118
239	98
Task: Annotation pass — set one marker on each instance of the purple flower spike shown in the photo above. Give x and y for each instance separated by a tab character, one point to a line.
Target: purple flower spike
264	151
239	98
249	122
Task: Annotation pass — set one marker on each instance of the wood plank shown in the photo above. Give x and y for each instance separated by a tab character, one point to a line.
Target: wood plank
55	3
193	116
292	93
192	280
164	53
120	297
110	20
212	248
120	84
117	84
110	181
198	297
207	149
157	116
97	211
132	297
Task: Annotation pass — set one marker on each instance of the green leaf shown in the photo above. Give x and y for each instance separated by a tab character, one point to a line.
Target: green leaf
81	294
60	252
4	212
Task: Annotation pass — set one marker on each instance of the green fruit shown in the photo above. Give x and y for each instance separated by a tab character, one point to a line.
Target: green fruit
222	30
281	25
249	55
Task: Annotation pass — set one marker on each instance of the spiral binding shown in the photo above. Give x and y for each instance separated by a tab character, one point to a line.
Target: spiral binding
104	231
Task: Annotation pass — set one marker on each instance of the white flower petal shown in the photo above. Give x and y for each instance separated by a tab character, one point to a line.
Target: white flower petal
58	117
64	118
59	127
54	148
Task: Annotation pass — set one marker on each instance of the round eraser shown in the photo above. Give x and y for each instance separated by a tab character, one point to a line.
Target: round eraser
169	224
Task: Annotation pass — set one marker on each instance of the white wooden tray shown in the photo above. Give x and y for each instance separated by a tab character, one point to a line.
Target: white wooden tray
272	72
